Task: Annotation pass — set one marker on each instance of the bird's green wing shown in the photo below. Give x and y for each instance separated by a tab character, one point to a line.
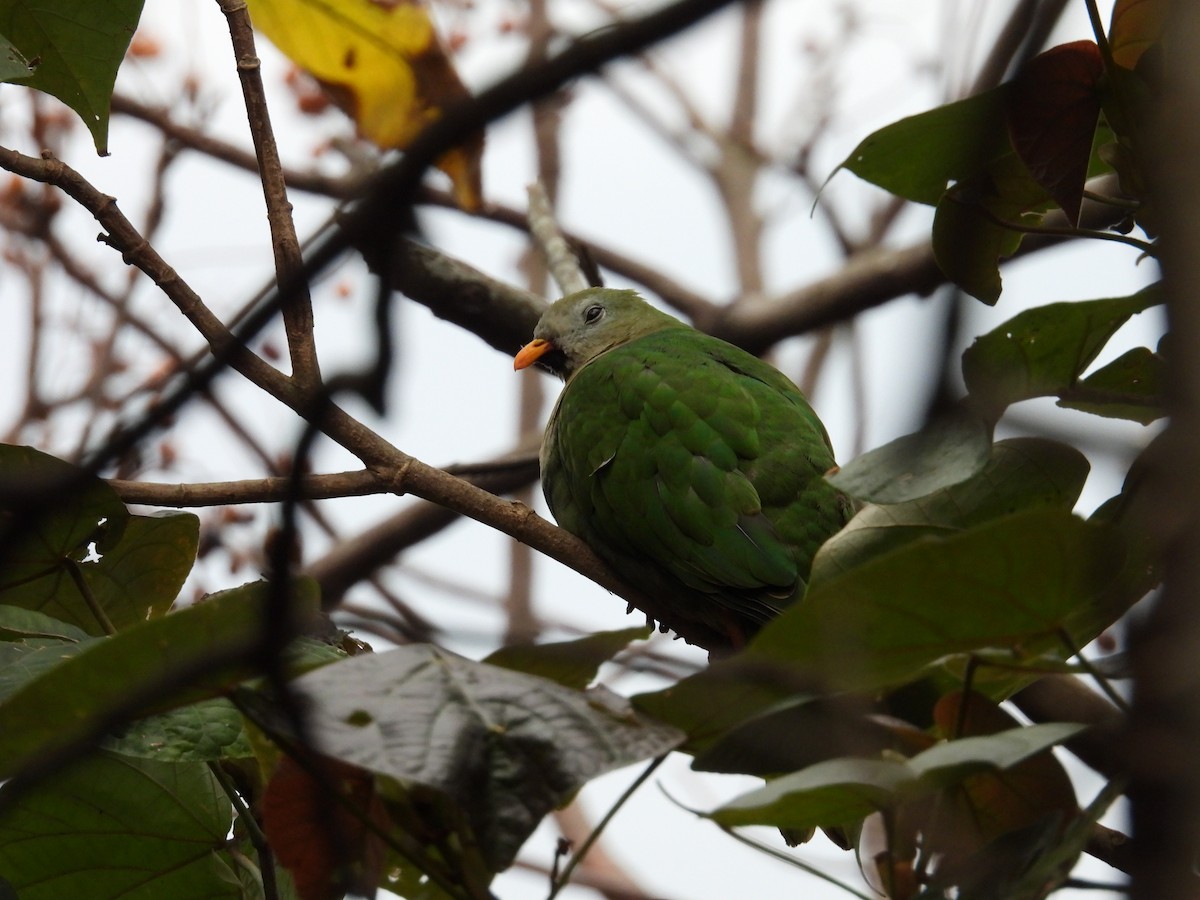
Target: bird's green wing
678	455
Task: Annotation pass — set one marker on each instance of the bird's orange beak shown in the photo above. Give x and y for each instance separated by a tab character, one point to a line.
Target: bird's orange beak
531	353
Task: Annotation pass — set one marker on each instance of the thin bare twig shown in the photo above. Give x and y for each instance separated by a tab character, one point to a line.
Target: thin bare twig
297	311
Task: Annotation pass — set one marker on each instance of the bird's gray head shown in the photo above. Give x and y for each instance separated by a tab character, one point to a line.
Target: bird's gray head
581	326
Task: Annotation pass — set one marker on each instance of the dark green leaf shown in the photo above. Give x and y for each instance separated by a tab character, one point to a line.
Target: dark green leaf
730	692
208	730
73	554
1022	473
106	674
919	156
796	735
54	515
24	661
503	746
1011	583
1042	352
969	244
75	49
573	664
115	828
140	577
1129	387
950	451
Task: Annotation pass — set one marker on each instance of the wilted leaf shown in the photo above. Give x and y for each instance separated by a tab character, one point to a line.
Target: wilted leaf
113	827
504	746
1136	25
918	156
1053	108
1129	387
1021	473
383	64
573	664
1012	583
915	465
102	675
1041	352
307	827
1010	801
74	49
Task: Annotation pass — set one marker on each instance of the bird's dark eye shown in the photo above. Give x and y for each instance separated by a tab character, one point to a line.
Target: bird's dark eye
593	314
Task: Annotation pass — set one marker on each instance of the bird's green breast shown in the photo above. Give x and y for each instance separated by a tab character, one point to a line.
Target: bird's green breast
695	468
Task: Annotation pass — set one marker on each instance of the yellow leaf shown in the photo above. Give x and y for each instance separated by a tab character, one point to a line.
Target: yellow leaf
382	63
1135	26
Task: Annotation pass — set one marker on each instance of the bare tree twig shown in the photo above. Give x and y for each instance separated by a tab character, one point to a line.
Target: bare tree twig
297	310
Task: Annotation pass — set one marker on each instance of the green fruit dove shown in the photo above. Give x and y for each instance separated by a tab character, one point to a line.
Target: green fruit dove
691	466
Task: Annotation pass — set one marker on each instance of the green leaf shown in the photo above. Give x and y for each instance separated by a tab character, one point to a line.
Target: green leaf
208	730
1021	473
13	66
950	451
572	664
840	792
918	156
505	747
17	623
1013	583
1129	387
950	762
75	48
1042	352
833	793
103	676
114	828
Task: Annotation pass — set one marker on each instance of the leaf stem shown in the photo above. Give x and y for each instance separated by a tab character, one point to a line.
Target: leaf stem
794	861
1146	247
266	859
557	884
85	590
1101	682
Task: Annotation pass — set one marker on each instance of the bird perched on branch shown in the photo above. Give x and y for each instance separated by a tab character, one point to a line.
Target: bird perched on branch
692	467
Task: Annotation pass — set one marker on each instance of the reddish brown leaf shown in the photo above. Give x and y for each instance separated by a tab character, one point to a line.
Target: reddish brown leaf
994	803
328	851
1052	112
